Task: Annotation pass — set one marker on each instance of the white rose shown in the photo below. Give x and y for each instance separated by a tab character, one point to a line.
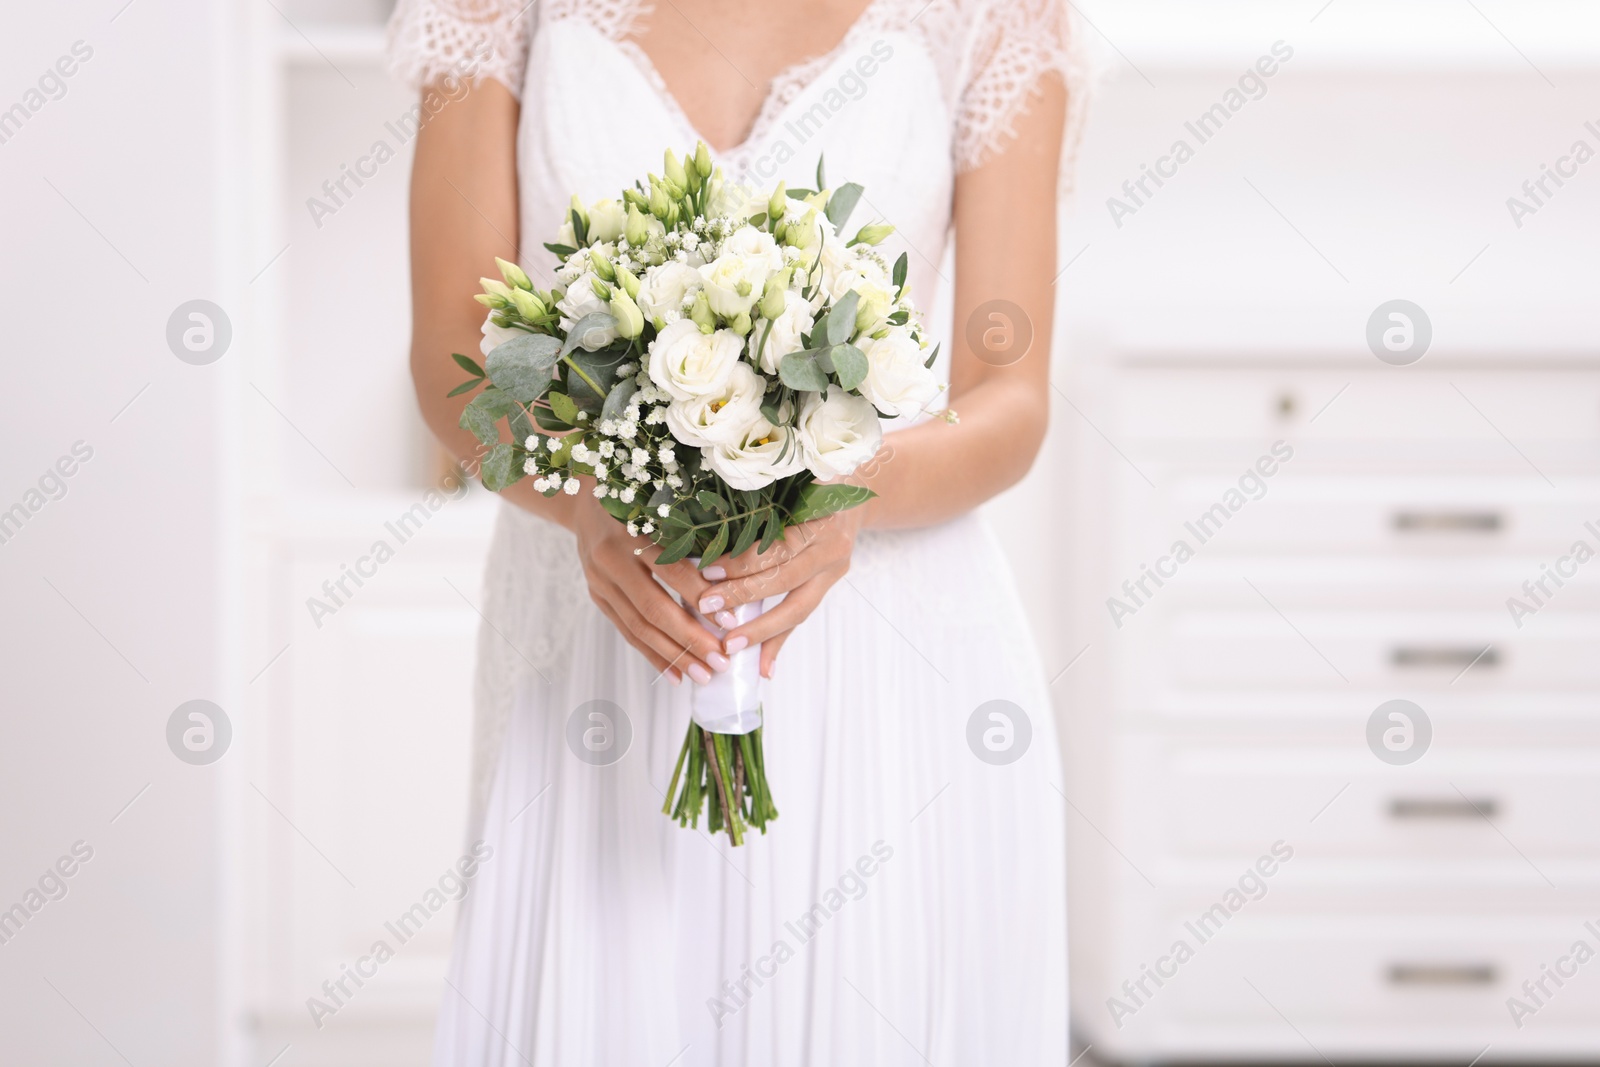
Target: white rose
722	417
607	220
688	363
665	288
751	460
786	330
579	300
838	432
897	383
735	200
495	336
735	279
873	287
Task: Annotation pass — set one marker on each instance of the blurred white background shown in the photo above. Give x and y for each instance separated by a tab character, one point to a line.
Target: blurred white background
1207	719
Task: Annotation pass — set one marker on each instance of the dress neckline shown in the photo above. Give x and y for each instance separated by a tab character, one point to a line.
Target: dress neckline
787	84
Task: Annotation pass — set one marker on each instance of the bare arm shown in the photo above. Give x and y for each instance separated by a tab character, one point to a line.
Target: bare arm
463	214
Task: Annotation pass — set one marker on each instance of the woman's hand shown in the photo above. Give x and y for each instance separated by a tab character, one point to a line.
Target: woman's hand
805	565
624	586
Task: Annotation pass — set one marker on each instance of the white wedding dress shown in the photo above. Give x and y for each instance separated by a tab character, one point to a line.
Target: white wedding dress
908	906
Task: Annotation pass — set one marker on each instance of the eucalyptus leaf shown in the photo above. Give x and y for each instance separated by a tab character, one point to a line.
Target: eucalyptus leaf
617	399
842	318
524	365
521	425
842	202
770	413
799	371
819	501
497	402
850	364
595	320
480	423
499	468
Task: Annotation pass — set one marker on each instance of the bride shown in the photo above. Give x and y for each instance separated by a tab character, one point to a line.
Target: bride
909	905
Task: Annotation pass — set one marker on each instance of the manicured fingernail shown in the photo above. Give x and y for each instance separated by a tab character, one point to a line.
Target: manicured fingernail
699	673
714	573
718	661
772	668
737	644
710	604
674	677
726	620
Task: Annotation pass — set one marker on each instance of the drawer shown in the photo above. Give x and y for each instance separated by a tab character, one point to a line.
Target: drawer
1171	405
1376	819
1300	511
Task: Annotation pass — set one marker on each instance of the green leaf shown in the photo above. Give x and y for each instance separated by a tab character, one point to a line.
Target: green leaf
467	365
770	413
480	423
842	202
714	549
758	220
822	182
499	468
547	420
564	408
561	250
602	367
799	371
617	399
616	508
524	365
842	318
497	402
712	501
465	387
521	426
800	194
676	549
747	535
579	230
850	364
933	355
774	531
900	272
819	501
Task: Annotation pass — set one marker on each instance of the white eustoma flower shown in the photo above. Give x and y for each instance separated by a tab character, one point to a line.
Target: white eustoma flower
751	461
737	201
734	280
607	219
665	289
495	336
718	418
838	432
786	331
872	285
579	300
688	363
897	383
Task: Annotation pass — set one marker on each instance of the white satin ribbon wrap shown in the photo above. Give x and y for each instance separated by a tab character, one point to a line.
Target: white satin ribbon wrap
731	702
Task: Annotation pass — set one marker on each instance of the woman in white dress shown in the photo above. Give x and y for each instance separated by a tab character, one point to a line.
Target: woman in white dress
908	906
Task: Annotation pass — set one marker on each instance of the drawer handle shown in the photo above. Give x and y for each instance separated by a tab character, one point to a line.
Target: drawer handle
1425	656
1476	522
1437	974
1442	808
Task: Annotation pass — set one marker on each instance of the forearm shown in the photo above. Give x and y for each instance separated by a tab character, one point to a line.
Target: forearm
463	215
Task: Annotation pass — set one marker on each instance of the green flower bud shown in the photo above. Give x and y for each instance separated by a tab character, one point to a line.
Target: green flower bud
637	230
741	325
660	204
602	266
528	305
743	288
630	320
772	297
702	315
629	283
873	234
779	201
601	289
674	172
636	199
496	289
513	274
702	160
488	301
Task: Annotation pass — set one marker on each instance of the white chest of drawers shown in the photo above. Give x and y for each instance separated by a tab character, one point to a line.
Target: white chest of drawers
1218	717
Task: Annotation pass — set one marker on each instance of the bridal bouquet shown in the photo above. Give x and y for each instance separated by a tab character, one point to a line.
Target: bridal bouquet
712	363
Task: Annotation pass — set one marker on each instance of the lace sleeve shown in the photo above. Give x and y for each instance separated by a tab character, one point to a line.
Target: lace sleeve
1015	43
474	39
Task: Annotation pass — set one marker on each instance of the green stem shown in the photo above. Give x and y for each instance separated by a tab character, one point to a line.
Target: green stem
590	382
666	808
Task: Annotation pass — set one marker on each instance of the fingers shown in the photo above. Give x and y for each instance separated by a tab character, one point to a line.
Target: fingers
663	613
682	578
769	653
796	539
824	552
641	631
781	619
661	666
